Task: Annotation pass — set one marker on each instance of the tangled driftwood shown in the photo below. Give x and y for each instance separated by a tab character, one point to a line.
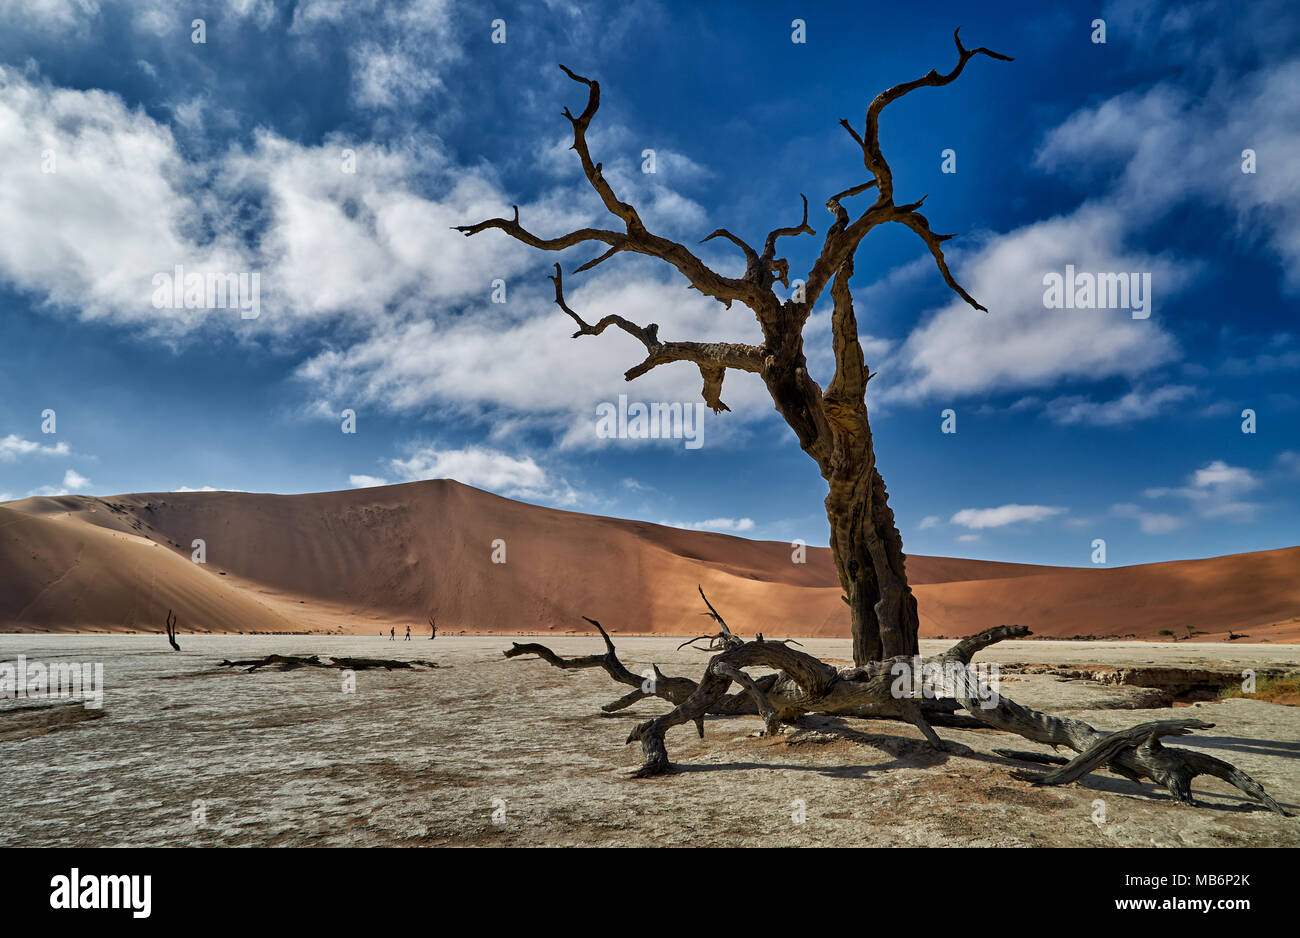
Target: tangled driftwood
805	684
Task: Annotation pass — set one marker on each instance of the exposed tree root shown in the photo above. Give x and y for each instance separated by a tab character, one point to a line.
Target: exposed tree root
294	662
804	684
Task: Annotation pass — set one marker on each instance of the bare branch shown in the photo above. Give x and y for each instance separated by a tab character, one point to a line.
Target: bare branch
593	170
772	725
769	248
609	661
872	157
843	238
769	261
171	631
918	223
724	638
636	238
712	358
751	256
849	383
597	260
833	203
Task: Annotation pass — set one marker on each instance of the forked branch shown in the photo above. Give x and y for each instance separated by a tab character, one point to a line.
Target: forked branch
712	358
872	156
635	238
844	236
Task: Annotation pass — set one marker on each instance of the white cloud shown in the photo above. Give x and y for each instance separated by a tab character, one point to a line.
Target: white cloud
365	481
1148	151
1003	515
400	50
363	250
51	17
1137	404
1219	473
1021	344
1153	130
1149	522
123	204
520	358
73	481
14	446
117	208
365	243
930	521
1215	491
733	525
481	467
1277	354
81	18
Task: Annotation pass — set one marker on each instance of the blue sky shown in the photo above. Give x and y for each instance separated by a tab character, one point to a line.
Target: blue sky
127	148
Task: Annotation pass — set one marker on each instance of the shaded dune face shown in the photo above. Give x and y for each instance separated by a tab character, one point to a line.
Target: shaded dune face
361	560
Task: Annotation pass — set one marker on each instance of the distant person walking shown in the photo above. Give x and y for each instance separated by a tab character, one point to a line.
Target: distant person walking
408	633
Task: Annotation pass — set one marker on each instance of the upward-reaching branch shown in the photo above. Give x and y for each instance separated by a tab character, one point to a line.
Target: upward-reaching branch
780	267
636	238
872	157
844	236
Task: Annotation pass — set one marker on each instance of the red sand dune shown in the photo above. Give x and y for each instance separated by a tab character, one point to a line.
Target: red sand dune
366	559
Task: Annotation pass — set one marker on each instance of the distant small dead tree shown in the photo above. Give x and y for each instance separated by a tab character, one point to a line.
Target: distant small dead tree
171	631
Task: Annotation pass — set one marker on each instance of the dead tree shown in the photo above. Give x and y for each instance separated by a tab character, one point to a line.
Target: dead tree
171	631
804	684
433	629
831	424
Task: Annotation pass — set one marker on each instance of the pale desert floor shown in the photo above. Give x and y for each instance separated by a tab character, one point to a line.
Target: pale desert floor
427	758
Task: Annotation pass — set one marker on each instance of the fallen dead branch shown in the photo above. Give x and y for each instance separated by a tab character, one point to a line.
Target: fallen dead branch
804	684
294	662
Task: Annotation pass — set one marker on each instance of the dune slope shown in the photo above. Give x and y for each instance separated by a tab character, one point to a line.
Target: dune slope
367	559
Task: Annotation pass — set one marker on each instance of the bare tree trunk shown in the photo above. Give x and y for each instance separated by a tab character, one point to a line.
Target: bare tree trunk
866	545
896	609
869	559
